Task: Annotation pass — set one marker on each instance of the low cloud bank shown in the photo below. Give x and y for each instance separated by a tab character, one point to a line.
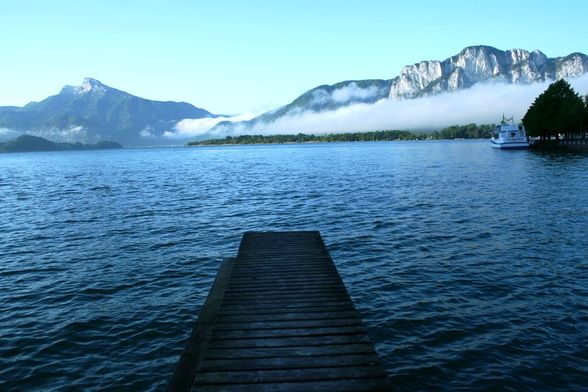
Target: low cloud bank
353	91
344	94
7	134
483	103
195	127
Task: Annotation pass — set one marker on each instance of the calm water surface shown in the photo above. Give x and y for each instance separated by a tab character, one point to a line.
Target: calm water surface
468	264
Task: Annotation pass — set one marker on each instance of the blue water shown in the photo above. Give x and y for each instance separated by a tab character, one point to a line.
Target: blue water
468	264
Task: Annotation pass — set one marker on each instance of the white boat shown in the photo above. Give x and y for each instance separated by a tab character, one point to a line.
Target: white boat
509	136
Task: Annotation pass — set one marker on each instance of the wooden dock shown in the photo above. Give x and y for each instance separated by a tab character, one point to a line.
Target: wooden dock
279	318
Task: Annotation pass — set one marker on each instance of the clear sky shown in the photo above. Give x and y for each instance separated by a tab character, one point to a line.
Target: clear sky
235	57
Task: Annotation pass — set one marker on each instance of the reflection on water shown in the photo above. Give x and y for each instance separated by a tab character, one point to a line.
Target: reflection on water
468	264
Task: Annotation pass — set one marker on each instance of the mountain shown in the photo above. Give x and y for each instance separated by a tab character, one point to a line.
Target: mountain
479	64
28	143
321	98
93	112
473	65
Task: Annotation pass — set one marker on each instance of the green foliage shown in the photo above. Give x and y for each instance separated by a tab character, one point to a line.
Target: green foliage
585	119
470	131
559	109
306	138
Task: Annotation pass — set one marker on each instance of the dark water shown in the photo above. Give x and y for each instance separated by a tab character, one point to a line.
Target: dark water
468	264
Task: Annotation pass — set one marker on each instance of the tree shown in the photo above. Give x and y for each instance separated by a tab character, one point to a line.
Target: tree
559	109
585	119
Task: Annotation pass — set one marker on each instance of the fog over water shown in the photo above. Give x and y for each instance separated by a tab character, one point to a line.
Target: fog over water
483	103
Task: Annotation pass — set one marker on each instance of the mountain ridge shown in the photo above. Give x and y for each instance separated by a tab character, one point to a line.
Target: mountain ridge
481	63
471	66
94	111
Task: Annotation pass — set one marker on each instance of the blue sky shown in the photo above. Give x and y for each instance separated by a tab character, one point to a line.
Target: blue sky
249	56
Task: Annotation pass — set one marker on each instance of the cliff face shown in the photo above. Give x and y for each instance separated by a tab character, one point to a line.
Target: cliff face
479	64
473	65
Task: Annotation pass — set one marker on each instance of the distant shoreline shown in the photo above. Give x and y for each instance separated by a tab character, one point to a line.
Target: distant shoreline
470	131
314	142
28	143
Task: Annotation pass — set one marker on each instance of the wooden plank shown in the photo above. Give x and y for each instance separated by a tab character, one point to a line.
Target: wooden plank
317	315
289	324
280	287
280	282
185	371
300	374
251	296
349	336
254	293
261	274
327	349
310	298
348	385
294	274
343	307
322	332
284	307
289	362
282	321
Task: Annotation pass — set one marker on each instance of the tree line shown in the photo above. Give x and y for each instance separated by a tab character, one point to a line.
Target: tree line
558	111
469	131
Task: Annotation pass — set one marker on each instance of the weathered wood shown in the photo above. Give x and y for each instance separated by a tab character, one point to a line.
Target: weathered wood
289	332
305	339
317	315
347	385
191	358
280	320
291	351
283	307
288	375
317	361
272	325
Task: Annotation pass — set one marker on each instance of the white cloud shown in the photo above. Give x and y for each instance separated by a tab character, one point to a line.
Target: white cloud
320	97
193	127
483	103
341	95
146	132
353	91
7	134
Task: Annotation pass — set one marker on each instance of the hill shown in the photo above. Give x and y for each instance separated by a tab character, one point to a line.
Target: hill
28	143
474	65
93	112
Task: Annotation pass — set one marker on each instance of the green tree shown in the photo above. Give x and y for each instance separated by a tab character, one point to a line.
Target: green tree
585	119
559	109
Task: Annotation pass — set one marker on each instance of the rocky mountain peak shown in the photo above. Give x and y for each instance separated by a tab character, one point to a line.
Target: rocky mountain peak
89	84
94	111
538	57
472	65
482	64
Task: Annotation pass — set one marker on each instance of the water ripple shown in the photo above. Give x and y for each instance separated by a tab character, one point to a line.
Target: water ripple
467	264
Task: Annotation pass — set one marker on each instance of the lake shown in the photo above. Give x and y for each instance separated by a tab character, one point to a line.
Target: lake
467	264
